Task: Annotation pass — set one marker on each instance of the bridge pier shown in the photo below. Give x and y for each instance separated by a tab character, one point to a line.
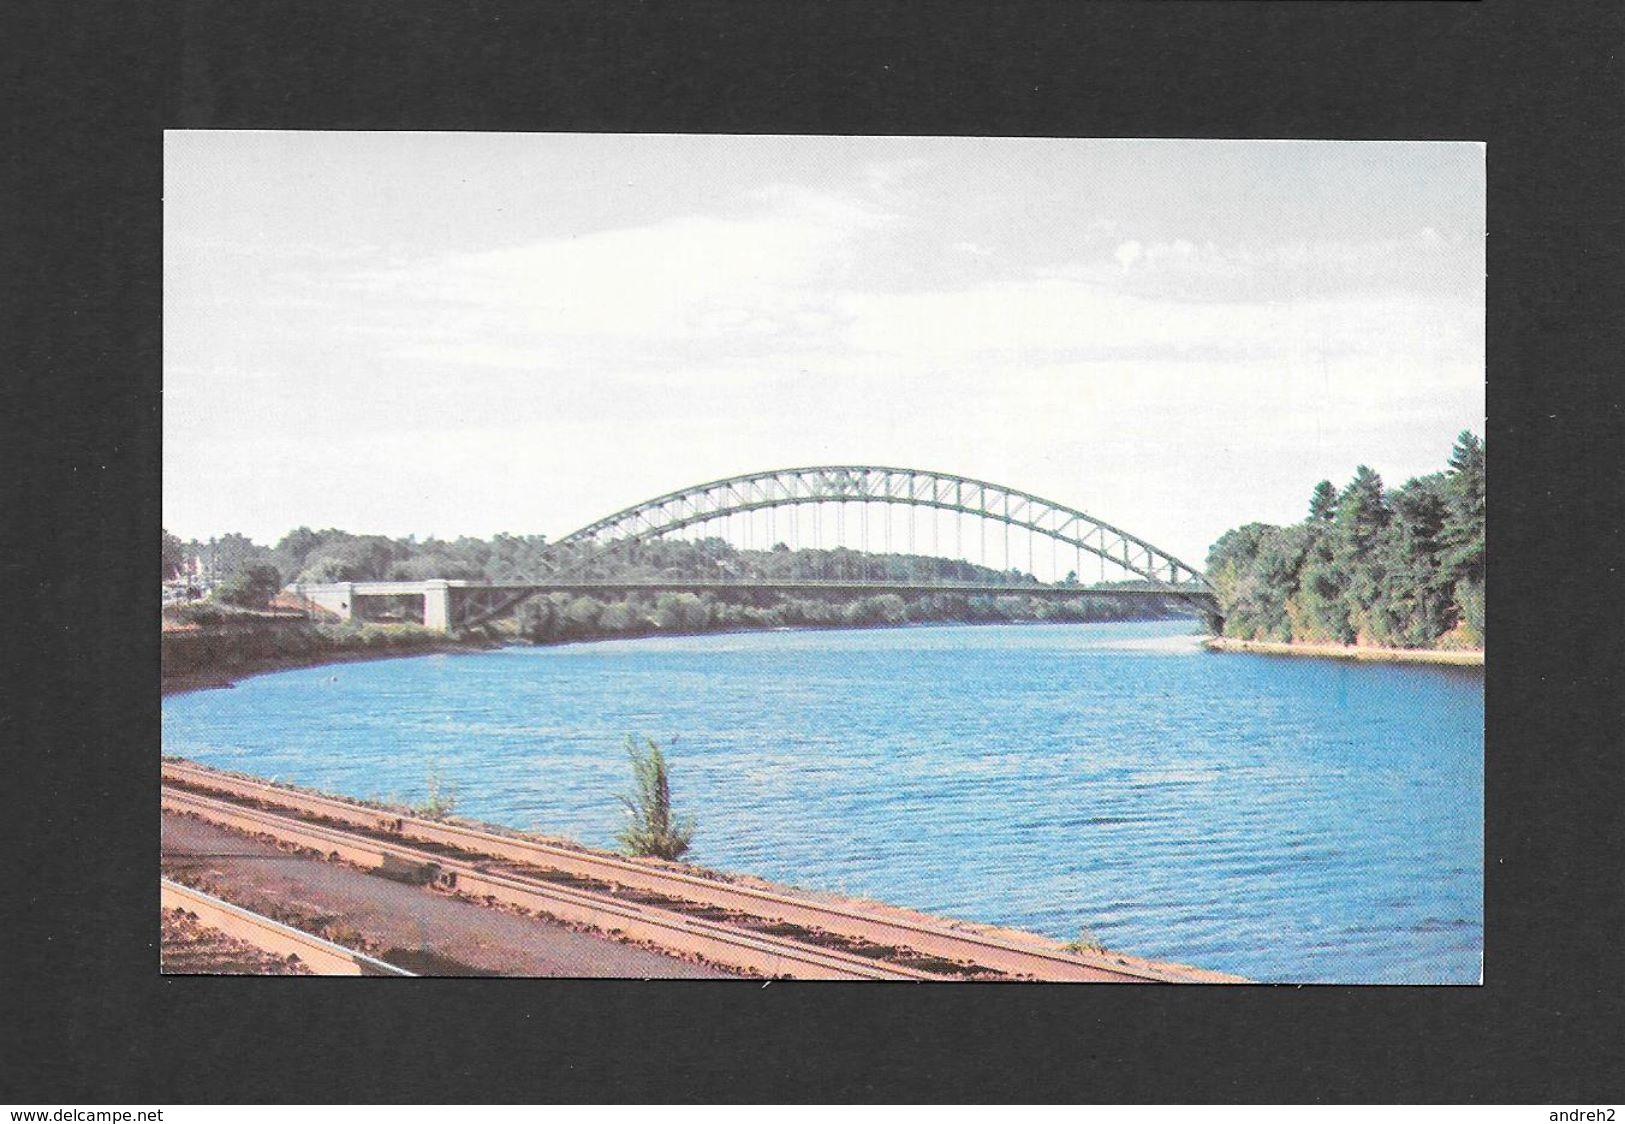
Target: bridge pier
437	605
335	597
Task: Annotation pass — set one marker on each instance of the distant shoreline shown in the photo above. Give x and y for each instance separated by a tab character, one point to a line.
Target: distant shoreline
1445	656
244	665
216	678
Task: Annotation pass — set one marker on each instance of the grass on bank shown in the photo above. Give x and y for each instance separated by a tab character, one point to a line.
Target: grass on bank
441	801
1085	941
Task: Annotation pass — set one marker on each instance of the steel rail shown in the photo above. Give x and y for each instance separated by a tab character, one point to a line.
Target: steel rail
940	939
322	957
678	932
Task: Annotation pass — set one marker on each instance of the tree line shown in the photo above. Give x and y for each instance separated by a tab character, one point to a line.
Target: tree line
561	617
1392	568
250	574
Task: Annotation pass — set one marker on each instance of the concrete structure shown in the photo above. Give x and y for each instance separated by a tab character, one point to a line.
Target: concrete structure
342	598
437	605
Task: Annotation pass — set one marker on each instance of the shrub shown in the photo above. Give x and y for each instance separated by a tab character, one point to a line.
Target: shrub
200	612
1085	941
442	798
252	587
652	832
1470	599
619	616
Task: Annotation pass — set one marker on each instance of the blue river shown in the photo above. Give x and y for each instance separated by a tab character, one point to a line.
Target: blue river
1285	819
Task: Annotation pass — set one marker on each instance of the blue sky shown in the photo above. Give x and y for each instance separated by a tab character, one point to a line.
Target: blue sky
468	333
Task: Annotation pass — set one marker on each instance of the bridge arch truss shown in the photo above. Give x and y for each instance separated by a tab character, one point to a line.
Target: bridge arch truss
827	484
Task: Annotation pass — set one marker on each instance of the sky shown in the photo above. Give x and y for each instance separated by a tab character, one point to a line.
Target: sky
464	333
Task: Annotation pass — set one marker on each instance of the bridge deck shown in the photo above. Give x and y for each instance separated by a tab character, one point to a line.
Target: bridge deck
810	585
452	604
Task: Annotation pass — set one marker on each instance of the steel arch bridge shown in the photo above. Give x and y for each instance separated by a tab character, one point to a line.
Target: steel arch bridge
449	604
874	484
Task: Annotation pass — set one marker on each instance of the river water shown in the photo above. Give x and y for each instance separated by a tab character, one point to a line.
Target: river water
1282	818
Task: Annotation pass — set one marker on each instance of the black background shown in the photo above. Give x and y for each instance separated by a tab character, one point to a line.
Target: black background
87	1018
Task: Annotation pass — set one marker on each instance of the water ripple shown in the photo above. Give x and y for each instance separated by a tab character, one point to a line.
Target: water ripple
1289	820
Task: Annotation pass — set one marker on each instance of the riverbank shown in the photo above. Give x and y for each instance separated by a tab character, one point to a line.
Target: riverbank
216	659
213	658
223	678
611	899
1445	656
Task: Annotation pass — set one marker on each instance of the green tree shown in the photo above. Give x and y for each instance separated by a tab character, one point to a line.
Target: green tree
1362	516
1278	572
174	556
343	557
325	568
224	557
1465	493
652	831
1402	568
1462	539
1463	534
1413	607
581	615
621	616
252	586
295	547
433	561
540	620
681	612
515	557
1323	503
1232	566
1470	602
1320	611
885	608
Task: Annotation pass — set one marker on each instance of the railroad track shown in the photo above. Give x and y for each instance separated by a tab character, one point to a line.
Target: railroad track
767	932
666	928
322	957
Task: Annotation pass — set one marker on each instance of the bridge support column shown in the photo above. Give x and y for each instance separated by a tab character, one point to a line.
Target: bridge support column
437	605
336	597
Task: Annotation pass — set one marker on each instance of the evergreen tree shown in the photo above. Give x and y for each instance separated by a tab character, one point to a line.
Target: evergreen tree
1401	568
1323	503
1463	535
1464	527
1281	558
1232	568
1362	517
1320	613
1414	604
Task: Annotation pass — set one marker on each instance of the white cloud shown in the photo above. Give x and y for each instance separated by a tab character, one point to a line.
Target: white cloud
886	180
1181	267
1023	320
689	279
